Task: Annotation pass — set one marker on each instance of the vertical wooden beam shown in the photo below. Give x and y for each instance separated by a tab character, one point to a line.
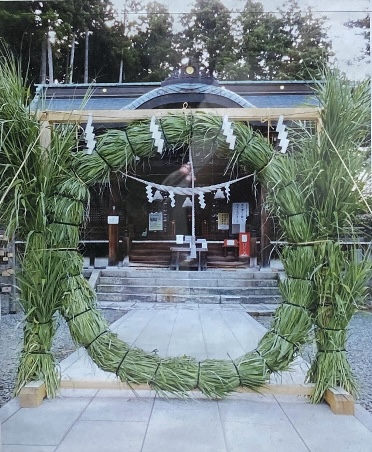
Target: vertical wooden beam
113	244
45	134
113	236
265	247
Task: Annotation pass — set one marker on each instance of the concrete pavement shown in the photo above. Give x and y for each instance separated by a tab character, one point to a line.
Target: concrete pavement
105	419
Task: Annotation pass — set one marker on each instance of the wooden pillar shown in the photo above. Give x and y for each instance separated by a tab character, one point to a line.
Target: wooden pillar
45	134
265	248
113	235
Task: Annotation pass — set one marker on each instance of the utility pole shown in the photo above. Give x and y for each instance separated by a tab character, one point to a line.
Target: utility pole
122	69
50	41
86	56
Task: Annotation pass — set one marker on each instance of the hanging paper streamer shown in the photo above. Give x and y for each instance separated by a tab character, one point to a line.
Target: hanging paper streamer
228	131
227	192
89	135
156	135
282	135
149	193
202	200
188	191
171	197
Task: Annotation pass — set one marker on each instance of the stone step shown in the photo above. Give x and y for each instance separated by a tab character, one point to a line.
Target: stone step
130	272
174	297
191	290
212	286
186	282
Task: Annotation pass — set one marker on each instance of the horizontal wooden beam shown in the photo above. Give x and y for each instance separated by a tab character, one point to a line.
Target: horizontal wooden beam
123	116
269	389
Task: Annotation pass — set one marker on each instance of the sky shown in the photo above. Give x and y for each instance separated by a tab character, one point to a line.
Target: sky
346	45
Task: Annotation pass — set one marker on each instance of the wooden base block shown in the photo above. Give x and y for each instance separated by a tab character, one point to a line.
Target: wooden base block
32	394
340	401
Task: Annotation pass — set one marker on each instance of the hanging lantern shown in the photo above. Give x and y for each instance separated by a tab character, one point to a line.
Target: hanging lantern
158	196
219	194
187	202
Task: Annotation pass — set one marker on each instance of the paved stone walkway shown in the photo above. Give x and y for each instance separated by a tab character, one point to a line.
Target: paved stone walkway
112	420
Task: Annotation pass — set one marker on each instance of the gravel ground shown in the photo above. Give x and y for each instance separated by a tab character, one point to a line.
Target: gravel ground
359	350
11	342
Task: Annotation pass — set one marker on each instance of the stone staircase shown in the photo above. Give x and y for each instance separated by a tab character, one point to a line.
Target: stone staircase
218	286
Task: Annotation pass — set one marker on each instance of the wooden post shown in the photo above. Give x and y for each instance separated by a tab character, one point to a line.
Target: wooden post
113	244
113	233
45	134
265	248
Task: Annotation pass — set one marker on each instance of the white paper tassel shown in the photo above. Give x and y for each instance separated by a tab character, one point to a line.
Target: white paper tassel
171	197
149	193
156	135
227	192
228	131
89	135
202	200
282	135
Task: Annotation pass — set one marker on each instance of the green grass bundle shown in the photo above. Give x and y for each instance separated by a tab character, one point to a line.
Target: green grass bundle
253	371
176	130
38	183
299	261
297	292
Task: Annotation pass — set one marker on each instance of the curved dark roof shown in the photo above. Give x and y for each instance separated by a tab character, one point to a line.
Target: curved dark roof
121	96
196	93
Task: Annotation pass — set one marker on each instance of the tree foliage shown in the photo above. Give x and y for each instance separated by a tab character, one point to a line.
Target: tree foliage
263	41
146	42
309	49
364	26
208	37
153	44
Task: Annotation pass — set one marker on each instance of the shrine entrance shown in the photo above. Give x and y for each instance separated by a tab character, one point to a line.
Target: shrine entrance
147	230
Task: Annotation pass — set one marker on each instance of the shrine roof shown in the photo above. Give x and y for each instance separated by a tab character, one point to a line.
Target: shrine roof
122	96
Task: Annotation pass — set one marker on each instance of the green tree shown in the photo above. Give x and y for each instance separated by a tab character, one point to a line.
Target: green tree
208	38
154	44
364	25
309	47
24	28
122	43
80	18
263	41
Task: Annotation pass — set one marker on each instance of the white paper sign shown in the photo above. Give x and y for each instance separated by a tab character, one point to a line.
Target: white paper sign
113	219
240	212
155	221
